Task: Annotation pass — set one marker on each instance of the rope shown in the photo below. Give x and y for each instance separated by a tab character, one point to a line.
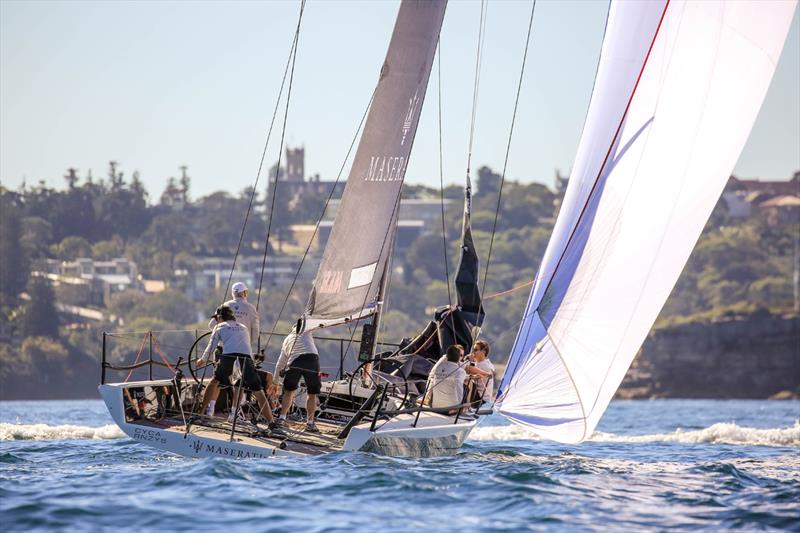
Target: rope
280	153
508	291
161	354
263	155
138	355
508	148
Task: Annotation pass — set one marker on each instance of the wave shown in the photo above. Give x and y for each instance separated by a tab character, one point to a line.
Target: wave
720	433
47	432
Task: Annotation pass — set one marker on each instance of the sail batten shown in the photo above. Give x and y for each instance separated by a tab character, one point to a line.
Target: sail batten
348	280
678	88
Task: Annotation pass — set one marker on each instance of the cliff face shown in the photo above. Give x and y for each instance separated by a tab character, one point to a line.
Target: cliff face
74	378
749	356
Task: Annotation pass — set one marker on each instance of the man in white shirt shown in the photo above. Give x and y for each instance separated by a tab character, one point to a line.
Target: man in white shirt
299	358
235	340
446	380
482	372
245	313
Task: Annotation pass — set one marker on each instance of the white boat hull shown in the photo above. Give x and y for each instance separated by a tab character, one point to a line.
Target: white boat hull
431	434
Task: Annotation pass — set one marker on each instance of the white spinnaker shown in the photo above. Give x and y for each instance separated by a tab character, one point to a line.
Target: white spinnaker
678	88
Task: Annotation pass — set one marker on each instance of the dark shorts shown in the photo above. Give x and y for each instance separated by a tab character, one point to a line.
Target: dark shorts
250	380
306	366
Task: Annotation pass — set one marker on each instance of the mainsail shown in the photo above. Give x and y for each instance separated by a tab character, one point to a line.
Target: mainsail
356	255
678	88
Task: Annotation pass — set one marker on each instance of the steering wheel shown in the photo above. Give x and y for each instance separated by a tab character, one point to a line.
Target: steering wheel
190	361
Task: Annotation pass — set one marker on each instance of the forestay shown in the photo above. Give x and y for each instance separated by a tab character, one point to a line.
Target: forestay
678	88
356	255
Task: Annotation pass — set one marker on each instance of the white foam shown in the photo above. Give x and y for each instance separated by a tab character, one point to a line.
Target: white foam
720	433
47	432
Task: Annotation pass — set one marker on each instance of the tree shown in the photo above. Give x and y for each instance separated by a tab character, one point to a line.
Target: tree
13	259
185	184
37	235
172	195
426	253
169	306
107	250
71	177
39	316
123	210
72	248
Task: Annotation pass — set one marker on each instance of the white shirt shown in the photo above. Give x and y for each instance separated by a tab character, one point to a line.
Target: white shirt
485	386
233	336
294	346
446	383
245	313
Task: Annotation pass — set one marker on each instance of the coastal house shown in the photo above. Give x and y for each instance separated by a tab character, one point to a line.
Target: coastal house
86	282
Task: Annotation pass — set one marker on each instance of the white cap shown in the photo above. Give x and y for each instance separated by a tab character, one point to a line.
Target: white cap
238	288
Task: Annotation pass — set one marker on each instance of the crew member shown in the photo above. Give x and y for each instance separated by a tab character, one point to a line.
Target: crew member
481	370
446	380
246	314
235	340
299	359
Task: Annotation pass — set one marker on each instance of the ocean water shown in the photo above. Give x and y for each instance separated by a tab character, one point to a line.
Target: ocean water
652	465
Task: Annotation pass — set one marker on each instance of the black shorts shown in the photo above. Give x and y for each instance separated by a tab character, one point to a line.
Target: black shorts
250	380
306	366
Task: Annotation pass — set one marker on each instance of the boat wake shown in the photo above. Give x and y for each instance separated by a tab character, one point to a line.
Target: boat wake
62	432
720	433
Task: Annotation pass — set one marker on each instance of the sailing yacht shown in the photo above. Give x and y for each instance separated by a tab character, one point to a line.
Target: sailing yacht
678	87
376	409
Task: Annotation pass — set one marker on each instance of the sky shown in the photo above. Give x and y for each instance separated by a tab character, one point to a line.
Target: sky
157	85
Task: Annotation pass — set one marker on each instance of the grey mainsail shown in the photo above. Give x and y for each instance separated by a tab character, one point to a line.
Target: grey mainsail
355	258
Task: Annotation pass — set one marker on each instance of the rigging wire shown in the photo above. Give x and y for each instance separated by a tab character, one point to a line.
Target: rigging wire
253	193
508	148
476	83
441	180
280	154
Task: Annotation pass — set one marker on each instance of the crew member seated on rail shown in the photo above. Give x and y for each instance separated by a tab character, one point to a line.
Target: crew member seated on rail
481	370
246	314
235	340
446	380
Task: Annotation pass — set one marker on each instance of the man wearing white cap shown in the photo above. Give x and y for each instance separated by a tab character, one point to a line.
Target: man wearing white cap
244	311
246	314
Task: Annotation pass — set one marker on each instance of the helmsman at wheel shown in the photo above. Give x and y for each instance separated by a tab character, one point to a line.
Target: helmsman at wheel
235	340
245	313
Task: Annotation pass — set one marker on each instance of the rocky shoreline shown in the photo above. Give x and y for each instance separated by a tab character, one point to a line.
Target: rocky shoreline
754	355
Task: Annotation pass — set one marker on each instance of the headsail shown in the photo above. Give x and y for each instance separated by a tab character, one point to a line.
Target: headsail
355	258
678	88
467	275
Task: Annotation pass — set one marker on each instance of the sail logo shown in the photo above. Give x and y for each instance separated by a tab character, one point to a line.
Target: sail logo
386	168
330	281
413	103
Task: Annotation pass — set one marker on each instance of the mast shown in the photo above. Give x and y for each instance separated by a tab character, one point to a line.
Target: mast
382	291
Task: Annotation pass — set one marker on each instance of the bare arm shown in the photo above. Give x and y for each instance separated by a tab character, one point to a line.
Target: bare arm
475	371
